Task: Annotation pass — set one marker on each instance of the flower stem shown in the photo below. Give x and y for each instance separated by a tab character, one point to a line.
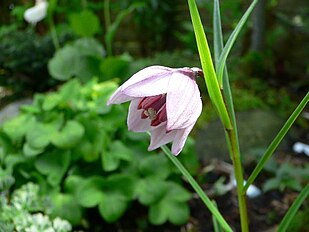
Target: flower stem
107	19
54	35
235	155
212	208
231	135
52	28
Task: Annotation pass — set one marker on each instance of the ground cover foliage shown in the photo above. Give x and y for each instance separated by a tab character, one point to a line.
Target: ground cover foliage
81	155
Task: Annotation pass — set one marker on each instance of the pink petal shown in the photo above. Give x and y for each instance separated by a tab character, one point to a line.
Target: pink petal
159	137
180	139
118	97
145	73
134	121
183	101
150	81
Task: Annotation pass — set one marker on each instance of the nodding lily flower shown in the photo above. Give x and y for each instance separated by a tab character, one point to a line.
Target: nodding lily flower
35	14
164	101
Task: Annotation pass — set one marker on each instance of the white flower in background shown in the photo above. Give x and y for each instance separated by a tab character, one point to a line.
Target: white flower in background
37	13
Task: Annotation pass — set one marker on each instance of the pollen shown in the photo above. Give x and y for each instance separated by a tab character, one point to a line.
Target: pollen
153	108
151	113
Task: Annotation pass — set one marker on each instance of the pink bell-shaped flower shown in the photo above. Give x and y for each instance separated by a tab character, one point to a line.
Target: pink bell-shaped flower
164	101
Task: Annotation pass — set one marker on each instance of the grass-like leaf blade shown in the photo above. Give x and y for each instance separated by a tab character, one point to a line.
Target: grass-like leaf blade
275	143
212	208
231	41
293	209
207	65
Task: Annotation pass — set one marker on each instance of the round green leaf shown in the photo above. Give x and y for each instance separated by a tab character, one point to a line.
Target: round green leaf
155	165
84	23
177	192
87	151
72	183
89	192
123	184
89	47
66	207
62	66
17	127
118	151
172	206
30	151
87	68
110	162
112	207
178	213
51	100
54	165
158	214
150	190
69	136
38	135
112	67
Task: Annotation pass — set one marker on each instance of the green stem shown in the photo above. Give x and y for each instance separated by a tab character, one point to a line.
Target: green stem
226	113
275	143
212	208
83	3
107	17
235	155
54	35
52	28
231	40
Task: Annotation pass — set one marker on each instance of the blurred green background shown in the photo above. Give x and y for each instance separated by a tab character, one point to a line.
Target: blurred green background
72	155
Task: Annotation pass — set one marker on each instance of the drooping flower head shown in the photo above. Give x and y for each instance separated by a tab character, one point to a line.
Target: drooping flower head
164	101
36	13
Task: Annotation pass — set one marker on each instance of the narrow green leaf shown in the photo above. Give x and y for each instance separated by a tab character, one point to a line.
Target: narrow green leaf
112	29
218	38
212	208
274	144
216	225
231	41
293	209
218	47
207	65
